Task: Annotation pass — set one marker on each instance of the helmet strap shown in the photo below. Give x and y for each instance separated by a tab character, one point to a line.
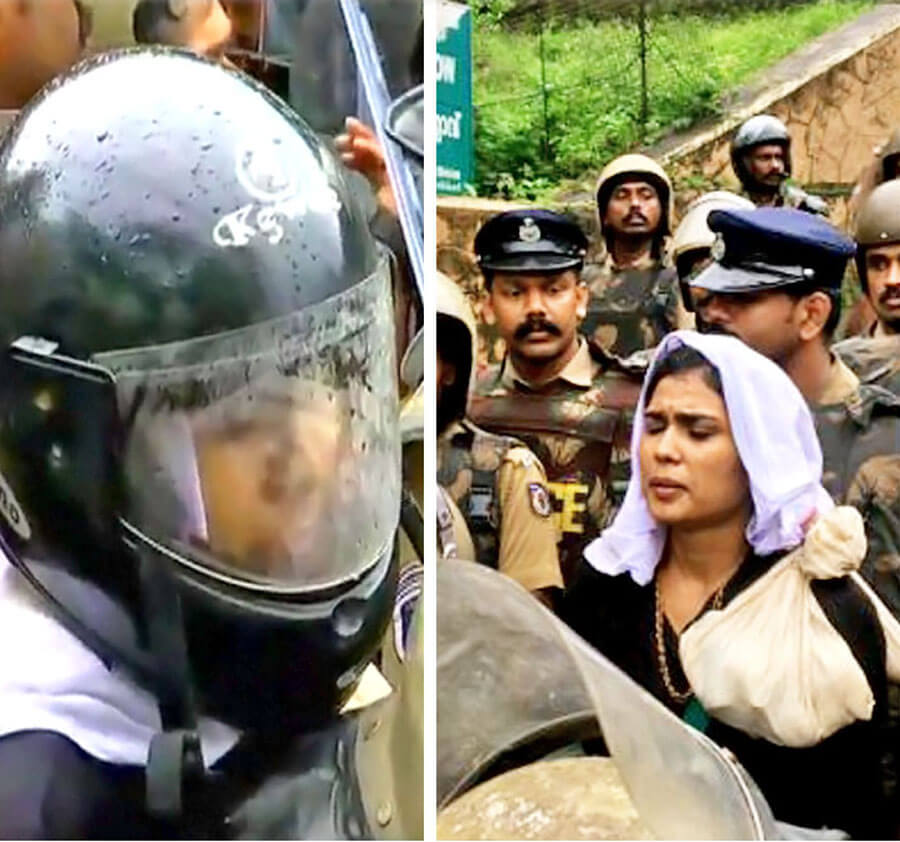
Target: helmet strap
175	773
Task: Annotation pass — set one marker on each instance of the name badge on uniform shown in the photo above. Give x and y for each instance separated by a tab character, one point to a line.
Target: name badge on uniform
540	499
481	506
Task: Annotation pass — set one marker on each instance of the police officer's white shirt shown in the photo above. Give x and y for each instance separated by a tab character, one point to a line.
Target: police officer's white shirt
49	680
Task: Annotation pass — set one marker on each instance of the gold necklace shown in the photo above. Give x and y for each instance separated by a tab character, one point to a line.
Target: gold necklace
675	695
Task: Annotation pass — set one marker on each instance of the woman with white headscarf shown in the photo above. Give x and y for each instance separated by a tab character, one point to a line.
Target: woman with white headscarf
726	585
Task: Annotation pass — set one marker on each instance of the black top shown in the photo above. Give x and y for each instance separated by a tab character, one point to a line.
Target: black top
836	783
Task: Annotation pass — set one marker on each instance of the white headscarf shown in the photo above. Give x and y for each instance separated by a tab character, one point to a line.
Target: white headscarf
775	438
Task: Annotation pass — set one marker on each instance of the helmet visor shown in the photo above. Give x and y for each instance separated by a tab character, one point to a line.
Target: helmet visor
269	456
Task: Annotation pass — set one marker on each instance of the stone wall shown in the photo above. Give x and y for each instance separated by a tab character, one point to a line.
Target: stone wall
839	97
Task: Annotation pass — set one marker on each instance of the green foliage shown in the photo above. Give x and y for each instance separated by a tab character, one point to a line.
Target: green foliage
528	138
491	12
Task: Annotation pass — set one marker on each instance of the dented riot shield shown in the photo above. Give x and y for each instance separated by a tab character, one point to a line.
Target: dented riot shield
507	668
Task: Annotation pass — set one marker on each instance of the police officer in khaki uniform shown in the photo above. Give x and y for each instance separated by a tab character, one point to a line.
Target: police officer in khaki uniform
568	400
633	301
497	484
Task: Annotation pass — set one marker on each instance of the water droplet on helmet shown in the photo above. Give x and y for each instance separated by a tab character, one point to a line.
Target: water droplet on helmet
348	616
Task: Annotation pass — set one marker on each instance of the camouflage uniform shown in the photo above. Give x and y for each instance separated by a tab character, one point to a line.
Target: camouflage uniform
579	426
859	429
874	359
500	488
632	309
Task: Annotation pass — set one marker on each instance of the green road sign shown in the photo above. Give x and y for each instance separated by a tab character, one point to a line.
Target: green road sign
454	131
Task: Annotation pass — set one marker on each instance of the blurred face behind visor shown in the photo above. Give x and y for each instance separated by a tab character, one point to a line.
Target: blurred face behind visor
262	458
266	482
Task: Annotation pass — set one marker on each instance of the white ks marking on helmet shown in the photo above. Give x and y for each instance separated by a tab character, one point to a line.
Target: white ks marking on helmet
262	169
12	511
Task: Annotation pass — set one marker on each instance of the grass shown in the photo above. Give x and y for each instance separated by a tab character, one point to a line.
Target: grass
593	79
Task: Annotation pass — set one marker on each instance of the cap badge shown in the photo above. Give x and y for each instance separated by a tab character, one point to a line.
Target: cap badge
528	231
718	247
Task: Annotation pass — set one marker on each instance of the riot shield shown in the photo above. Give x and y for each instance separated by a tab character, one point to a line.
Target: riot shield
507	667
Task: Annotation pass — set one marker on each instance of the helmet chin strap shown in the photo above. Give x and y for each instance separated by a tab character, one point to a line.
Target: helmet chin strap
175	773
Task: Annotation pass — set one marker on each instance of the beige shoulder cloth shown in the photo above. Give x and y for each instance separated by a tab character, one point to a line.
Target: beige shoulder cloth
770	663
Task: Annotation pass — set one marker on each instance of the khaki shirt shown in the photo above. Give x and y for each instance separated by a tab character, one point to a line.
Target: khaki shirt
579	371
514	530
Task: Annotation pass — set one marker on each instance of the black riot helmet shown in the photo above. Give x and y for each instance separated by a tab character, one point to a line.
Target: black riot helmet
758	130
199	454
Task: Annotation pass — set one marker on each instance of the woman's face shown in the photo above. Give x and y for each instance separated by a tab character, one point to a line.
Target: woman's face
691	474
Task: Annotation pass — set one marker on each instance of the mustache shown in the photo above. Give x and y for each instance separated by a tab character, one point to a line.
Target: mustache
635	216
891	291
536	326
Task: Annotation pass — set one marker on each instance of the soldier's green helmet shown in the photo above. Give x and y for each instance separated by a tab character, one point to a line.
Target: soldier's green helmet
877	223
758	130
456	335
199	455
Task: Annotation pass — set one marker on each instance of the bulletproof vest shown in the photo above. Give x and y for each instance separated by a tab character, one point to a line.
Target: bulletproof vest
582	438
633	312
467	469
